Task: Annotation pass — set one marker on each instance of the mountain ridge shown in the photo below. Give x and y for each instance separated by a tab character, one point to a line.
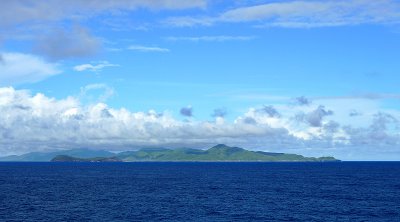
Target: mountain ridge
216	153
47	156
66	158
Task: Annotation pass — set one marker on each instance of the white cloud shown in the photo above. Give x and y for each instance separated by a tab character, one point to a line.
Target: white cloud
304	14
96	67
36	122
17	68
282	9
141	48
219	38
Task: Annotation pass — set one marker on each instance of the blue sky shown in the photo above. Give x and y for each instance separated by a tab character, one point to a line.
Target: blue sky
308	77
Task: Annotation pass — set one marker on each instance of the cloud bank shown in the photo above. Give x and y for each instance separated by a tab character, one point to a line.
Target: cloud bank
37	122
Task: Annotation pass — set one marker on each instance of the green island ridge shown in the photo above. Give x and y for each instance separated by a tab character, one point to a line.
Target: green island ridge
66	158
218	153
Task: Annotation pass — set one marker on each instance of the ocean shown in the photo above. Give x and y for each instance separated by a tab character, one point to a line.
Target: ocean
179	191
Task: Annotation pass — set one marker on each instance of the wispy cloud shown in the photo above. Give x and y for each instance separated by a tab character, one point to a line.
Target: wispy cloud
141	48
218	38
368	96
39	22
304	14
15	12
188	21
17	68
96	67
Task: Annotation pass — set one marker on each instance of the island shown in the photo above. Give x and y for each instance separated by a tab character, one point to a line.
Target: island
66	158
218	153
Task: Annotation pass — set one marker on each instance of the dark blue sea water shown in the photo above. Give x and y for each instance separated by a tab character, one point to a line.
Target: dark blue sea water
345	191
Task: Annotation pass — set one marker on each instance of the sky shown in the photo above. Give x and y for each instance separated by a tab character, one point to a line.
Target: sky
317	78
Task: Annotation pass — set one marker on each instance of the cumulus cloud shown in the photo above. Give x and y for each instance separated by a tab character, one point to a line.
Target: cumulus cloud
57	124
186	111
249	120
382	121
18	68
142	48
96	67
378	133
331	127
315	117
37	122
304	14
62	44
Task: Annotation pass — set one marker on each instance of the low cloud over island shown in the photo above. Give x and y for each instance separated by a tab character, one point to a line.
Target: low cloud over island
35	122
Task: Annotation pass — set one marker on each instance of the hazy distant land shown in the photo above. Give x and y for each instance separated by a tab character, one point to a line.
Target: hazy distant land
218	153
